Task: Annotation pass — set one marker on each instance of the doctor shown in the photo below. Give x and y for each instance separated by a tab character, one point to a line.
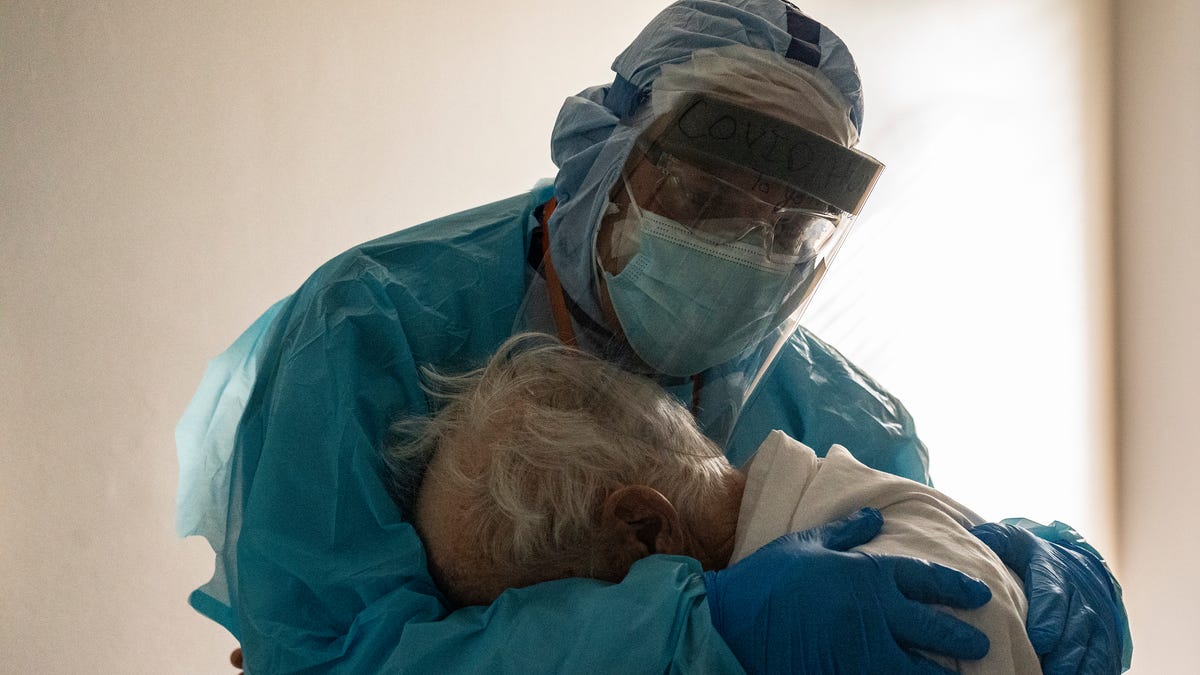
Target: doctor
700	198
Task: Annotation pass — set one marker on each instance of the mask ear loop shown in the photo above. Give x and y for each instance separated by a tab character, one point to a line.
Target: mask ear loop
769	234
629	193
612	210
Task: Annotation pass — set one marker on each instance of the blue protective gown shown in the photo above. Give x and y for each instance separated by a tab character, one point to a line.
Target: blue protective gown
318	570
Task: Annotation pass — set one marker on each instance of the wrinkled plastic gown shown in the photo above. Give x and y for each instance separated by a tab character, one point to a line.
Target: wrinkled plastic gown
317	568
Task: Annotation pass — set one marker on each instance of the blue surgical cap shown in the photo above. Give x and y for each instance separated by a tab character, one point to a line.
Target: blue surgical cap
592	137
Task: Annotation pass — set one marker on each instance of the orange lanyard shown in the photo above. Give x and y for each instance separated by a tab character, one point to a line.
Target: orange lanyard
558	301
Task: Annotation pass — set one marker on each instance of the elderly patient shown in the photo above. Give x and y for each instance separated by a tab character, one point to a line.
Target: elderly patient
549	463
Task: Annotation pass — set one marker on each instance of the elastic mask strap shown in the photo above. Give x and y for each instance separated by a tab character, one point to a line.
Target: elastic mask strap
558	303
629	193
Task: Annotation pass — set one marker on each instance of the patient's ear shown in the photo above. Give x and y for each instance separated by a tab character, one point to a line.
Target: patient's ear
641	521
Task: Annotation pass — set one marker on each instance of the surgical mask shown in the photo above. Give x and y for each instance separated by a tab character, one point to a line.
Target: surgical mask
687	304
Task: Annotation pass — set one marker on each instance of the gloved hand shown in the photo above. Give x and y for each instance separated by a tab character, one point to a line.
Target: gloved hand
1075	619
802	604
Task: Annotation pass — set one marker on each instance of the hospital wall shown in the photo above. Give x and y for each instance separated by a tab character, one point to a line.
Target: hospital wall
1157	196
169	169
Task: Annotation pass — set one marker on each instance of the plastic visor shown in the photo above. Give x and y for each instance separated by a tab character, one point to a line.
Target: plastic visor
743	147
714	132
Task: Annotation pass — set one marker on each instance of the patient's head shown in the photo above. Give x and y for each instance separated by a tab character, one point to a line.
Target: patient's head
548	463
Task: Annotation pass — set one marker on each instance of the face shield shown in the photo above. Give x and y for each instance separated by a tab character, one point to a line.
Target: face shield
739	188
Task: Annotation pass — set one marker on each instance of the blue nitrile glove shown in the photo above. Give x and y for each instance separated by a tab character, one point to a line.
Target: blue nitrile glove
1076	620
802	604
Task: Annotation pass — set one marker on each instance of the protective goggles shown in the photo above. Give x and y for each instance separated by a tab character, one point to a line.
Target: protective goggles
733	174
721	212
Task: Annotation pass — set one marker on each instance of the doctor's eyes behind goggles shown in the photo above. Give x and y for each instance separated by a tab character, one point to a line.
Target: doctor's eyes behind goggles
790	224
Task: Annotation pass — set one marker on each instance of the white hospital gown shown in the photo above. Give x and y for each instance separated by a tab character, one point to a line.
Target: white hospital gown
789	488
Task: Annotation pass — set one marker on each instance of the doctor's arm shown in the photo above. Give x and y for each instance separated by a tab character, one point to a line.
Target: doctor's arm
772	611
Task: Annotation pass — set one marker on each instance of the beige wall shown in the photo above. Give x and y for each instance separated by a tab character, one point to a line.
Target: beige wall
1158	256
169	169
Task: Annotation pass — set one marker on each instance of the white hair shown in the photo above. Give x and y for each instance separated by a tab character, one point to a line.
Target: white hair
538	438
